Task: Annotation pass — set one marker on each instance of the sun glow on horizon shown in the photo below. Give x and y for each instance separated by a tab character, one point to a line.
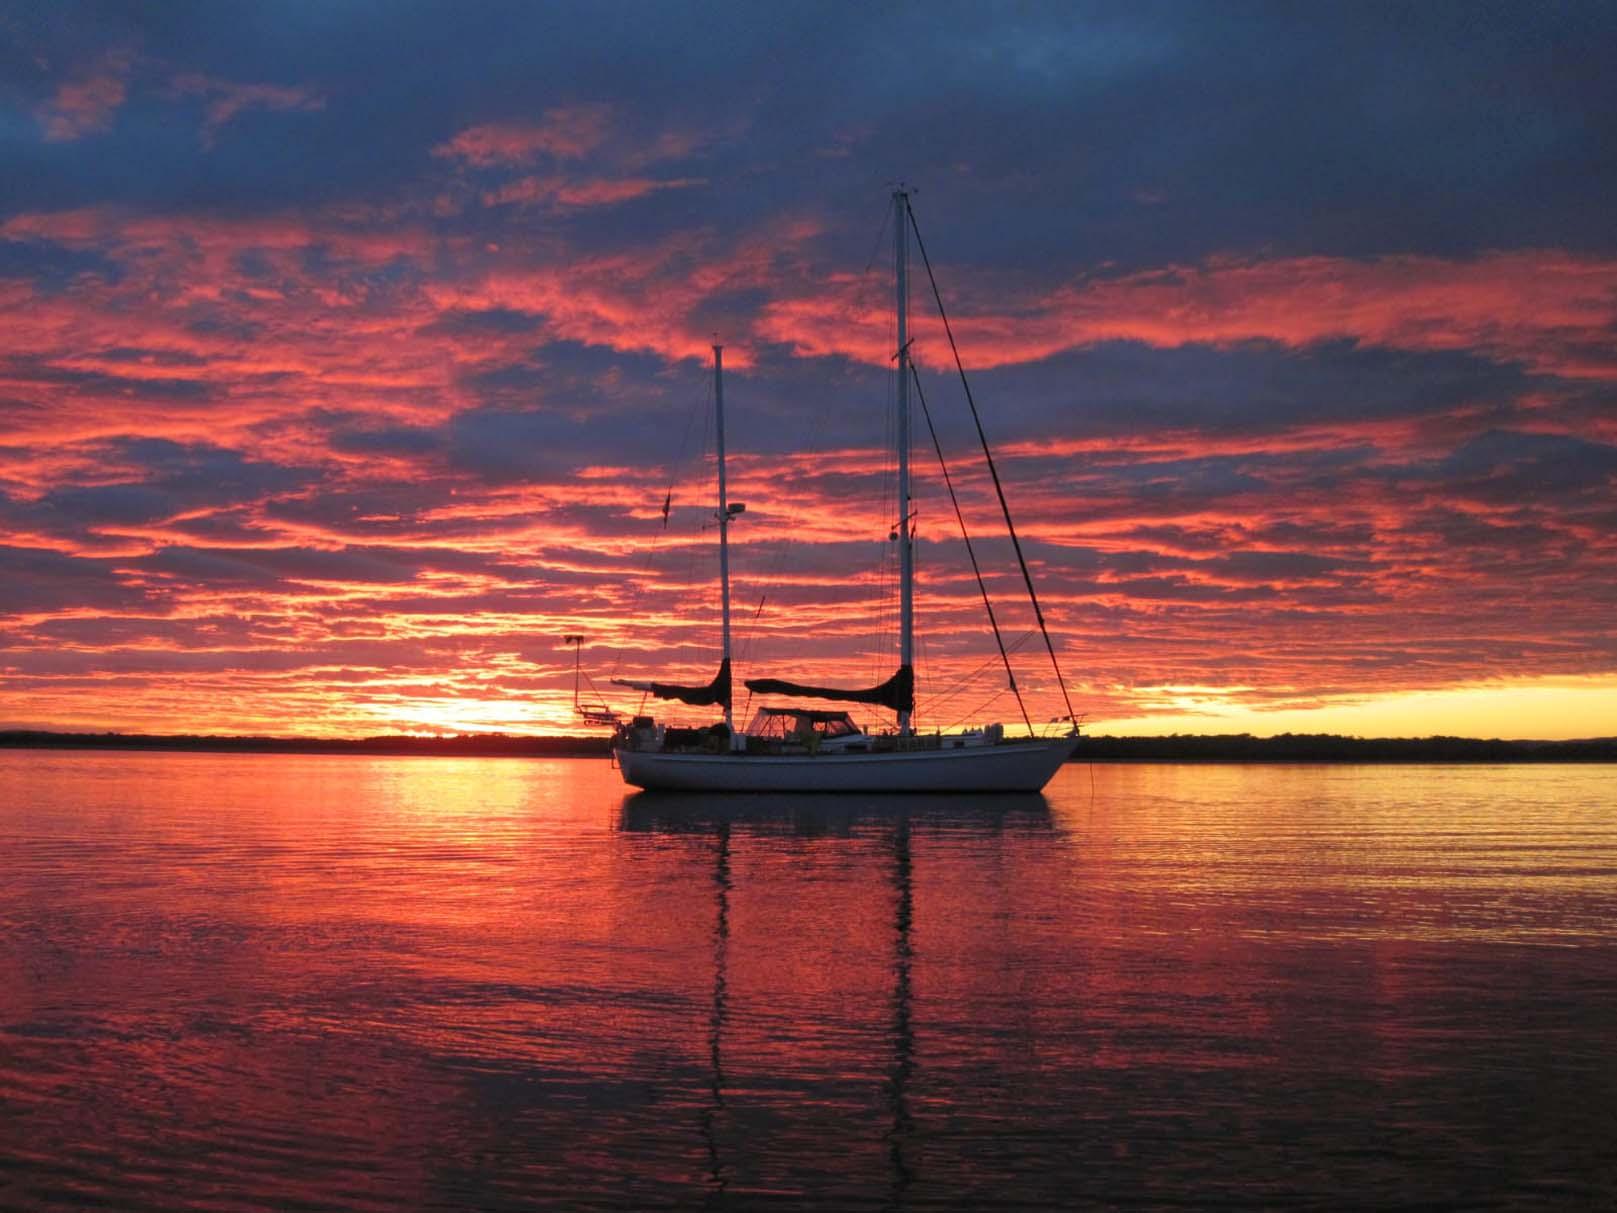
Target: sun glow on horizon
1547	709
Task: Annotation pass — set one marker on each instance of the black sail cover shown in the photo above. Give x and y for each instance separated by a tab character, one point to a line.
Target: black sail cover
897	693
715	692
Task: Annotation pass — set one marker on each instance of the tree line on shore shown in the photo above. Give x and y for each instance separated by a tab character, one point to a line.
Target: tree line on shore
1180	747
1330	747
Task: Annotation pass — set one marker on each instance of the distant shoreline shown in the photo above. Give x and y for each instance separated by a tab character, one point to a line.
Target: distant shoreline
472	745
1327	747
1287	747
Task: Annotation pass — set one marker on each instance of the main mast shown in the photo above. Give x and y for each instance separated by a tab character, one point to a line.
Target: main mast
906	554
724	512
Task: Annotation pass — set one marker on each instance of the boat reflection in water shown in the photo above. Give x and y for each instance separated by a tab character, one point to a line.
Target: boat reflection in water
841	813
893	819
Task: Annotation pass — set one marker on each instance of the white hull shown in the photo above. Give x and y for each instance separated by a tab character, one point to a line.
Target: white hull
1012	766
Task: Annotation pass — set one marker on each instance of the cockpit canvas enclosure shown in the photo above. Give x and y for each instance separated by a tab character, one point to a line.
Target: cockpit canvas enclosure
783	724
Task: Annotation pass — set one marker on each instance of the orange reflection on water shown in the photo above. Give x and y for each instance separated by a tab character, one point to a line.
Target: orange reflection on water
415	981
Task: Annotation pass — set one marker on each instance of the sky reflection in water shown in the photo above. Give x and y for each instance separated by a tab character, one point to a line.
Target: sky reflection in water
254	982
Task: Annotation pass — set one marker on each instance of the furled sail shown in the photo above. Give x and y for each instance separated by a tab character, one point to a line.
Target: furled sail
897	693
715	692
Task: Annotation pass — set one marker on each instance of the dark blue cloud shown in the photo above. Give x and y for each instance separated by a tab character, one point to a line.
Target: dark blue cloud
1523	468
387	440
486	320
172	478
74	381
51	267
1136	134
500	446
1127	388
37	580
108	504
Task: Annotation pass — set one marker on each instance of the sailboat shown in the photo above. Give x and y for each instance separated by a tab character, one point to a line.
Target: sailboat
792	749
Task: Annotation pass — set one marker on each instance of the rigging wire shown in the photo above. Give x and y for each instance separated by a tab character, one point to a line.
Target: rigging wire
744	633
752	643
594	690
881	230
664	552
976	711
700	555
938	702
999	489
961	683
971	551
656	560
679	459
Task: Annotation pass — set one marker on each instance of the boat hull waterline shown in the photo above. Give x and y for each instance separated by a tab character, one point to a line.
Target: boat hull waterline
1014	766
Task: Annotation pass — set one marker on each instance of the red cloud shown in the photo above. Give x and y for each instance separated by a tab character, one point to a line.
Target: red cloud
1297	569
563	194
564	134
1551	311
1547	309
85	105
226	99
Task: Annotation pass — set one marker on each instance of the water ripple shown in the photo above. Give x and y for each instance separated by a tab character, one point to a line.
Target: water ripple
271	982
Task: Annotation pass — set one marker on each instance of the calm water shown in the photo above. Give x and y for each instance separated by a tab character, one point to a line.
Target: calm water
234	982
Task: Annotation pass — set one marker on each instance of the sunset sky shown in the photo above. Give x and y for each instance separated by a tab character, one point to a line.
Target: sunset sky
349	350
